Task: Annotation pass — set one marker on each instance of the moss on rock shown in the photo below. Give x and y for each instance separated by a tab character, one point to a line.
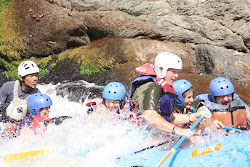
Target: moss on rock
11	45
95	57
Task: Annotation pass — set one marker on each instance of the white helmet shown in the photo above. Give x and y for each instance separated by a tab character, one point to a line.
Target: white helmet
27	67
166	60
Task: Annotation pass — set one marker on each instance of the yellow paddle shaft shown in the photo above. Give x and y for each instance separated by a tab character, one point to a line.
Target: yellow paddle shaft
22	155
165	157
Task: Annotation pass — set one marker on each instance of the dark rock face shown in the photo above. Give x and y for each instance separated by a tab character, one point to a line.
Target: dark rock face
69	70
217	30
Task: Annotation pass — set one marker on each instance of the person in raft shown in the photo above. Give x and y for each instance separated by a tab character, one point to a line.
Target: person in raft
113	101
153	98
14	95
226	107
185	100
38	119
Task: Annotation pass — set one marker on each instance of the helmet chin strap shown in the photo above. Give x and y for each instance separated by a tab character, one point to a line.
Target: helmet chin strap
23	82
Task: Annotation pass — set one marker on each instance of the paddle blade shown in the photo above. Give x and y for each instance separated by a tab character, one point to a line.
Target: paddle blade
22	155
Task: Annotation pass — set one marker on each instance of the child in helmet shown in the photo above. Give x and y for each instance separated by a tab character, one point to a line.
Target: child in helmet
113	101
38	118
39	109
226	107
184	90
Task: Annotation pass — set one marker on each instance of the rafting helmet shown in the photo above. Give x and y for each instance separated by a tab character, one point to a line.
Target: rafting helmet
27	67
36	102
220	86
180	87
166	60
115	91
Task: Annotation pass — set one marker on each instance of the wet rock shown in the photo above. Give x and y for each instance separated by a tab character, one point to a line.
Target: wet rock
79	91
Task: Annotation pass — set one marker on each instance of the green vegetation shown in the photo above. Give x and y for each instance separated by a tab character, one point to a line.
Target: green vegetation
12	68
91	60
4	3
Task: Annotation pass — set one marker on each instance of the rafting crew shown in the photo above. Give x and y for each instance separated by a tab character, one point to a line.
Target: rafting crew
152	96
225	106
113	103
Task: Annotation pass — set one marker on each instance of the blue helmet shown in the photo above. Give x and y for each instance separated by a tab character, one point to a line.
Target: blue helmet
36	102
180	87
220	87
115	91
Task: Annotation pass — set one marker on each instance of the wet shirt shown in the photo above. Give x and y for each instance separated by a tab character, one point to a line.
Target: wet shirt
6	93
148	96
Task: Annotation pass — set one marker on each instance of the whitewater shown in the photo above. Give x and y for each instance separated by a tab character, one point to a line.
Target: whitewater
77	141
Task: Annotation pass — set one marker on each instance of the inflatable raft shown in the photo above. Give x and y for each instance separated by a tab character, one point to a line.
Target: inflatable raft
230	151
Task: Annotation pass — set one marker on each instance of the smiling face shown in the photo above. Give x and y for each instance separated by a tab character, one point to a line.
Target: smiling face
44	112
112	105
224	100
188	97
171	76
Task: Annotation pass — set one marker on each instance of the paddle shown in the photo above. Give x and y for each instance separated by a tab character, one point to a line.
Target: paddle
28	154
22	155
153	146
236	130
178	143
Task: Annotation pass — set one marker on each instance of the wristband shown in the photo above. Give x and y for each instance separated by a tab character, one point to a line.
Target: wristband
173	132
189	115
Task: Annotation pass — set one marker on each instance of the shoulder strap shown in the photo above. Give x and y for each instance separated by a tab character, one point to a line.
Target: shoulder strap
15	90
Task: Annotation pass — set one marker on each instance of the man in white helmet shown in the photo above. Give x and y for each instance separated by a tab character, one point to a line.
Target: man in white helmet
153	97
14	94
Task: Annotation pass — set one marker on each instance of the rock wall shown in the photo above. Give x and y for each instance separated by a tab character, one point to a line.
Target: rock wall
211	36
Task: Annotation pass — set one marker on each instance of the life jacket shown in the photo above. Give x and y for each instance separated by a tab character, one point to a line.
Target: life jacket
39	125
167	100
97	105
17	108
233	116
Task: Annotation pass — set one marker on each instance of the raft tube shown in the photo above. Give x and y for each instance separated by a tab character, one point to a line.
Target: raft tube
229	151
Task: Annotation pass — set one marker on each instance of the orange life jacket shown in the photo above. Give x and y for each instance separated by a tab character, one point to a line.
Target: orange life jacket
233	116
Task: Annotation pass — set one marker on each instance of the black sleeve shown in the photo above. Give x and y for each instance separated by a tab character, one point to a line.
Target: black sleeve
152	97
57	120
